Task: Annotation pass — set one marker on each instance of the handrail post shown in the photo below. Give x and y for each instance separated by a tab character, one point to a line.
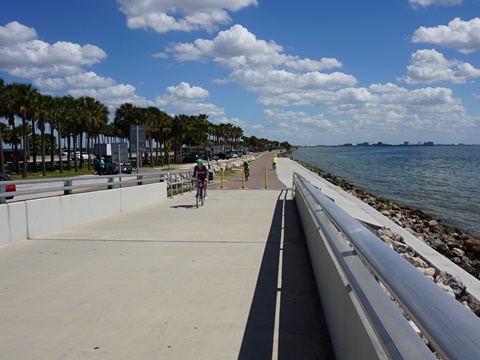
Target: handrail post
66	183
3	189
110	182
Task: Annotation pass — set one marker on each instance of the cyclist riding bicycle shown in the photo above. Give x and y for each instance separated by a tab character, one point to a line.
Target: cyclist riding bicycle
246	168
274	162
200	172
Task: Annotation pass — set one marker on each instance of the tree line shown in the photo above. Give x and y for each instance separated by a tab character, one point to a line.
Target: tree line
85	119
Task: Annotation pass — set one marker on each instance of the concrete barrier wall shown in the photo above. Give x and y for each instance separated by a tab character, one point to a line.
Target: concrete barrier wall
28	219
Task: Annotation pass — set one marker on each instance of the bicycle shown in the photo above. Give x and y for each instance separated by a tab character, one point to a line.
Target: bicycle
200	196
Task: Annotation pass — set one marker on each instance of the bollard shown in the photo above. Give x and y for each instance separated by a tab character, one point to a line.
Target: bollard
222	178
266	178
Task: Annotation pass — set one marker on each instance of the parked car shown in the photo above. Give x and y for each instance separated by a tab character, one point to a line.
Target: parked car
8	188
190	158
76	154
231	155
127	168
79	155
112	167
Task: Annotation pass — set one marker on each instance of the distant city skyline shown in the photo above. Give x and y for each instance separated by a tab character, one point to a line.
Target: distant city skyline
305	72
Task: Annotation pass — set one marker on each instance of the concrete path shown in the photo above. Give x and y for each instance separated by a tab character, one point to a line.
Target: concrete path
230	280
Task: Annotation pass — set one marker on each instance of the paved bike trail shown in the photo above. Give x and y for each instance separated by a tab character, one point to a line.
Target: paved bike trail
230	280
262	176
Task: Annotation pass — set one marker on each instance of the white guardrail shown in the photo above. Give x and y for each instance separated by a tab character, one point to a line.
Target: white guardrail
349	263
176	180
54	204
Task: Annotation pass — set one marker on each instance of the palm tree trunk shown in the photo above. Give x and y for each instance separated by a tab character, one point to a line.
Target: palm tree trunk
2	159
75	161
42	145
60	148
34	150
15	145
52	151
25	147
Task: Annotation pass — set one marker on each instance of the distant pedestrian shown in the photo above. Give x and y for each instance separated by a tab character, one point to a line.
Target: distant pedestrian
101	166
274	162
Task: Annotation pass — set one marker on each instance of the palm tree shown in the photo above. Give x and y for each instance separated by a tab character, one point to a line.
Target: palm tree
44	114
3	127
164	132
9	113
55	123
152	124
96	123
25	96
198	134
67	116
181	127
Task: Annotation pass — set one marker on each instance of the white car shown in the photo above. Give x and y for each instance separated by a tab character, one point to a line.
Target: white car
76	154
82	155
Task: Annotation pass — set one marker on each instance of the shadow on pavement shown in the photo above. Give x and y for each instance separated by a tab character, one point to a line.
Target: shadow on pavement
302	333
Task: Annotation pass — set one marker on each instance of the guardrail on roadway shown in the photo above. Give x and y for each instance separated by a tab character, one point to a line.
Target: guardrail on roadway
177	181
364	323
54	204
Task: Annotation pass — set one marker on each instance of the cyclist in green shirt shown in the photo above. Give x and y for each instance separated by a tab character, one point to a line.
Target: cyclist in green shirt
274	162
246	168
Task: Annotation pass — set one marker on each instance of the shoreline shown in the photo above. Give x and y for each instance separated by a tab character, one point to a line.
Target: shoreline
458	246
440	237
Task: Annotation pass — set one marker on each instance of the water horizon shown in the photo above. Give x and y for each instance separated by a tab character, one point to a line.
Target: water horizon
440	180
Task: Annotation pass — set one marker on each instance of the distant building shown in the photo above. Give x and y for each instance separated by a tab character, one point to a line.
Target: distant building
428	143
406	143
365	143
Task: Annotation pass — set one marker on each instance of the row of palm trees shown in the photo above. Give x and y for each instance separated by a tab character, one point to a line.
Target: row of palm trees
166	133
85	119
69	117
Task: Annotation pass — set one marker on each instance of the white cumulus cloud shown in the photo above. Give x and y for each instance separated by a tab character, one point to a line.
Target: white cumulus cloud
460	35
78	81
430	66
23	55
424	3
181	15
262	66
189	99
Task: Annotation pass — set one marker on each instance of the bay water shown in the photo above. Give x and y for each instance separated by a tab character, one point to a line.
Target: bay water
442	181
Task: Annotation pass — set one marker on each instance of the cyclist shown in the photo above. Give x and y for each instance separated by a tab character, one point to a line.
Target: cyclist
246	167
200	172
274	162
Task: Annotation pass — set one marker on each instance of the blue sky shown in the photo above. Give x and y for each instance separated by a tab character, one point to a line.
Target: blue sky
307	72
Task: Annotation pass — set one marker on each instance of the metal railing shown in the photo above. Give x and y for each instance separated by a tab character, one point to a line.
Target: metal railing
452	330
178	181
